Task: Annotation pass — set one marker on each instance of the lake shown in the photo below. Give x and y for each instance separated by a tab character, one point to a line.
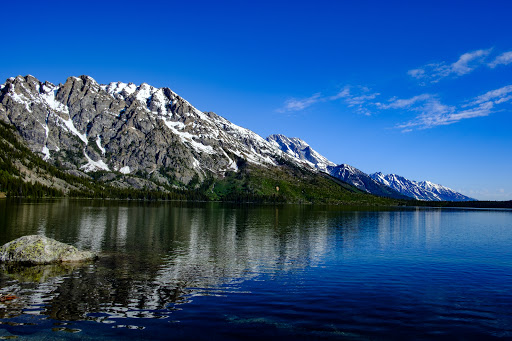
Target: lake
210	271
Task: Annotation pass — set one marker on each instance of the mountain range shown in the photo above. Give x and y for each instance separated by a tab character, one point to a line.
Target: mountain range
390	185
421	190
126	136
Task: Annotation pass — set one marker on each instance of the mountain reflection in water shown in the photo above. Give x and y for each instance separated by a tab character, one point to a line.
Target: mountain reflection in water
155	257
218	271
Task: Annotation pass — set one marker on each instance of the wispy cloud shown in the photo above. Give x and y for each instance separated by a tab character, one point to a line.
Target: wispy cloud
395	103
502	59
439	114
428	109
356	97
294	104
497	96
466	63
343	93
433	113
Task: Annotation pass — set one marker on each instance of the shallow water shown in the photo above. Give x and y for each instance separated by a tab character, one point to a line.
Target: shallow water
212	271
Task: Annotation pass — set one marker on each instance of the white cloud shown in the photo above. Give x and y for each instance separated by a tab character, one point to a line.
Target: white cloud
469	61
502	59
395	103
344	93
430	111
483	109
294	104
497	96
417	73
465	64
358	100
433	113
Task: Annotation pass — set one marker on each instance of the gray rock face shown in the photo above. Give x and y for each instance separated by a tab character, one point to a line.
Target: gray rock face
36	249
82	126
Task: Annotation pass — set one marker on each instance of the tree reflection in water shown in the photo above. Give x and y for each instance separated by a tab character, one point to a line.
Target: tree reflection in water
155	257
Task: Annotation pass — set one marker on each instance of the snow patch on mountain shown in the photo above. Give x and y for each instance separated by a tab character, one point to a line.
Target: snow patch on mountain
46	153
98	143
71	127
92	165
124	170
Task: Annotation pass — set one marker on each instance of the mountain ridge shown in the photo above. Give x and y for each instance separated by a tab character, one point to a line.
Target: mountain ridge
395	187
126	141
96	121
420	190
148	138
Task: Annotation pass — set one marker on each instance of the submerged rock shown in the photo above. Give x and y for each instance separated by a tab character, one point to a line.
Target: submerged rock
41	250
38	273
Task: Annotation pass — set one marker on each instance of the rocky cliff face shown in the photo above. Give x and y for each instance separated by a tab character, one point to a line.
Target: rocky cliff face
83	126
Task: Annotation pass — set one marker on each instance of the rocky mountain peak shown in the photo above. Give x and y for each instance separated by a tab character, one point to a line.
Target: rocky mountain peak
300	150
84	126
121	128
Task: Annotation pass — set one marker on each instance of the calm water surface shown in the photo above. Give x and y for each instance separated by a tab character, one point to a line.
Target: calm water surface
212	271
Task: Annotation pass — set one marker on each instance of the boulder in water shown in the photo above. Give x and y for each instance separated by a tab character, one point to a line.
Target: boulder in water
36	249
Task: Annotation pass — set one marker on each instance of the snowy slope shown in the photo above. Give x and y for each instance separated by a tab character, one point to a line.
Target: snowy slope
300	150
422	190
303	152
200	130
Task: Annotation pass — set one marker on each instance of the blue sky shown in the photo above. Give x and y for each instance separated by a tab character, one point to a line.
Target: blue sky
420	89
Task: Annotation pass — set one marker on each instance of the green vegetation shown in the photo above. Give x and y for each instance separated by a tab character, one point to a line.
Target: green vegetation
14	155
286	183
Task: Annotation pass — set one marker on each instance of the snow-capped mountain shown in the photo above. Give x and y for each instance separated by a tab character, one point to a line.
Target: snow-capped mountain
384	185
300	150
84	126
421	190
361	180
303	152
156	138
